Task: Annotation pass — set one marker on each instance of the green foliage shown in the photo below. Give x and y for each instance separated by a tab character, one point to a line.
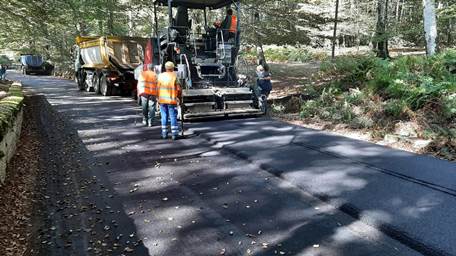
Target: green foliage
310	108
396	108
416	80
370	92
449	106
352	69
288	55
9	107
5	60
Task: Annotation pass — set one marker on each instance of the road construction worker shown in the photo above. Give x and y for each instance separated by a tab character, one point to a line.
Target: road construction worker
264	85
229	25
147	90
2	72
169	93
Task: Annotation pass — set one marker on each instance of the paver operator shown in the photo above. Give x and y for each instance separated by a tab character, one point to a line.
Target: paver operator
169	93
228	25
147	90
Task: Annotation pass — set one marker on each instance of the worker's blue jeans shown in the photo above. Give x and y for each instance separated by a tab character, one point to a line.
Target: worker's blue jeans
169	111
148	104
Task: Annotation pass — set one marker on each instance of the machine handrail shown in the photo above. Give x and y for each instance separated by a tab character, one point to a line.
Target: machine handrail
194	45
223	43
188	65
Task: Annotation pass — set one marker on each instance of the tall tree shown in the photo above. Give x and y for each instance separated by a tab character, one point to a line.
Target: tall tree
430	26
381	38
336	16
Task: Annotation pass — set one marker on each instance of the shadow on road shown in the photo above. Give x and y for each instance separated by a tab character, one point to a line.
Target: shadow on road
241	187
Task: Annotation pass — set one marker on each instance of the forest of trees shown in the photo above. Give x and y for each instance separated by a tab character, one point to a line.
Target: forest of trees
49	27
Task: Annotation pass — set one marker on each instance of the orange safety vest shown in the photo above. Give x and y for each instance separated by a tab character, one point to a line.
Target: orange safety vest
168	88
233	27
147	83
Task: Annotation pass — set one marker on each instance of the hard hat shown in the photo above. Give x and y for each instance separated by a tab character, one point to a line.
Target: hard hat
169	65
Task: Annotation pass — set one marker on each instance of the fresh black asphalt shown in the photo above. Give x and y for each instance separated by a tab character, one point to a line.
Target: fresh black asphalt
250	186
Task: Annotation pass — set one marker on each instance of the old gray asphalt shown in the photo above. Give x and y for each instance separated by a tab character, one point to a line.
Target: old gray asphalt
233	185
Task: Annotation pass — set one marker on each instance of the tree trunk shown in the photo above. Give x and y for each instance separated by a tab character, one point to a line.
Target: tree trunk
430	26
110	21
397	11
333	52
130	23
100	27
381	39
449	31
259	46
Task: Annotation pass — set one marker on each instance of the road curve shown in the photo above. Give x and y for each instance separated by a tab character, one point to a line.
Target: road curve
259	186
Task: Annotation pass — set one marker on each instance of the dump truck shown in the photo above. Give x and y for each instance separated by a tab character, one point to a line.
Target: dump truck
35	64
105	64
205	60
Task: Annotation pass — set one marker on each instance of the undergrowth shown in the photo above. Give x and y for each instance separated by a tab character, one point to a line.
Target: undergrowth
285	55
368	92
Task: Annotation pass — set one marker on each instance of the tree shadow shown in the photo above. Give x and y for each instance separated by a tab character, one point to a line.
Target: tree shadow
240	177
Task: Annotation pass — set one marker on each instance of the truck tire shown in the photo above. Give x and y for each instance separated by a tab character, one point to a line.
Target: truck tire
87	83
105	86
96	83
80	79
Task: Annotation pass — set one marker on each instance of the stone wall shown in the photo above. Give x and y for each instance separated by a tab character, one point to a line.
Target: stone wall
11	116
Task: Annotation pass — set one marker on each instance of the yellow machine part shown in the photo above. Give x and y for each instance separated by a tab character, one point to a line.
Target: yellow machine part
123	49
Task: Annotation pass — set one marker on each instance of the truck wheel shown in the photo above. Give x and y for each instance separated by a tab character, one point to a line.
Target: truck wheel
80	79
88	83
96	83
105	86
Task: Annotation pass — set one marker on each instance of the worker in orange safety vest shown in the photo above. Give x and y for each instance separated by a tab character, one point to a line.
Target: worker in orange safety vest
229	25
147	90
169	93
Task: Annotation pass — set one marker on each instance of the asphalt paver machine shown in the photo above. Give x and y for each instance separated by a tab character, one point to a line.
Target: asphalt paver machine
205	57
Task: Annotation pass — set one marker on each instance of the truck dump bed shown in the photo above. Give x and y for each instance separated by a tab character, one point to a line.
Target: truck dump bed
111	52
32	60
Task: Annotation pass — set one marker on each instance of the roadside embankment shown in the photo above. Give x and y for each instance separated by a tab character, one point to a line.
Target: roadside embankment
408	102
11	116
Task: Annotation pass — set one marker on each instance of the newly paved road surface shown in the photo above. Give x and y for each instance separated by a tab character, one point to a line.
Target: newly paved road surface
253	186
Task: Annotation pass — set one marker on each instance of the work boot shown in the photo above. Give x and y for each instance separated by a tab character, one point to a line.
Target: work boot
164	136
150	122
144	121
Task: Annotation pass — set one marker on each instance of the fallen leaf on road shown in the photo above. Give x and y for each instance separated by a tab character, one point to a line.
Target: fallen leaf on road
128	249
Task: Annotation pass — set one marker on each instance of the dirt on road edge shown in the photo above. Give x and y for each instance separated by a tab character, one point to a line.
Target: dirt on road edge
20	195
